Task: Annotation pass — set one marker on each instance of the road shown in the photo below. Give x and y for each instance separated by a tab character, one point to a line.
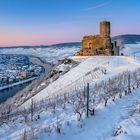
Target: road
38	61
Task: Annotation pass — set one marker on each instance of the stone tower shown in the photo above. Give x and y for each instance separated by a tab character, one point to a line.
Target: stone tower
105	33
105	29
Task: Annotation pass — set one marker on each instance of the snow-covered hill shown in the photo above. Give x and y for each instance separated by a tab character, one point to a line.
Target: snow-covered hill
47	53
59	109
127	39
90	70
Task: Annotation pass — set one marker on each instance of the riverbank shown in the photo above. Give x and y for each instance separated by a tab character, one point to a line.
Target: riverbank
18	83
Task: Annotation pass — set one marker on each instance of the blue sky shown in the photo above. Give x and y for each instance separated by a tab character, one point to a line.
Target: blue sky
36	22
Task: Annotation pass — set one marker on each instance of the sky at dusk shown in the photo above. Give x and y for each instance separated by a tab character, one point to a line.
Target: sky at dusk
41	22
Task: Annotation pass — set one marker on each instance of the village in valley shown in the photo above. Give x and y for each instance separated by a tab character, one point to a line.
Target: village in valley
15	68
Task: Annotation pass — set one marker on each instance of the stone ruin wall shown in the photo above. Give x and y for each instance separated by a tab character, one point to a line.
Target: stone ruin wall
97	44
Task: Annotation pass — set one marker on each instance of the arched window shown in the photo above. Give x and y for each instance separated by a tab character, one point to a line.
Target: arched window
90	45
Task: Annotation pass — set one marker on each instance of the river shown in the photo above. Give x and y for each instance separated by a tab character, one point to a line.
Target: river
9	92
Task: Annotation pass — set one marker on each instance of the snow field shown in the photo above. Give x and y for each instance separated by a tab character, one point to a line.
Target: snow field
91	70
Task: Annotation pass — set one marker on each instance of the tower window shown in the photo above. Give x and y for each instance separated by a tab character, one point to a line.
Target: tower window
90	45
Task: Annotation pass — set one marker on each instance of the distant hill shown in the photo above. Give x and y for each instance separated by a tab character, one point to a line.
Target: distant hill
127	39
67	44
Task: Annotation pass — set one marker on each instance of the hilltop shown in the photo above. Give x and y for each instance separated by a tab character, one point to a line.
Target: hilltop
127	39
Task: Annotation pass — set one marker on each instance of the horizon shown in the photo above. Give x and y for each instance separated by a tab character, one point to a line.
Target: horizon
48	22
53	44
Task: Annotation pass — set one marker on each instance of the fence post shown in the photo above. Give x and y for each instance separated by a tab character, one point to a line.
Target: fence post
129	84
87	99
84	93
32	109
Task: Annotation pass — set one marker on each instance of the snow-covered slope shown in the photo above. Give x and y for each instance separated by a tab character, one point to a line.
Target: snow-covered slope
128	128
90	70
132	50
98	127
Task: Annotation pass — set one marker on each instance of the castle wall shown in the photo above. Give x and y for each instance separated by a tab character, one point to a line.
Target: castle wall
91	42
93	52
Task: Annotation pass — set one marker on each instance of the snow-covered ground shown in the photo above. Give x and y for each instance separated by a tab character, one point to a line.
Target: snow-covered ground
129	127
100	126
105	122
132	50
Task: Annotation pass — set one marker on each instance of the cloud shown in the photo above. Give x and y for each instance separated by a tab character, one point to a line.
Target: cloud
98	6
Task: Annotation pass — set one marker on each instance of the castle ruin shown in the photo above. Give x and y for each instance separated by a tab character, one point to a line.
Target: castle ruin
99	44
